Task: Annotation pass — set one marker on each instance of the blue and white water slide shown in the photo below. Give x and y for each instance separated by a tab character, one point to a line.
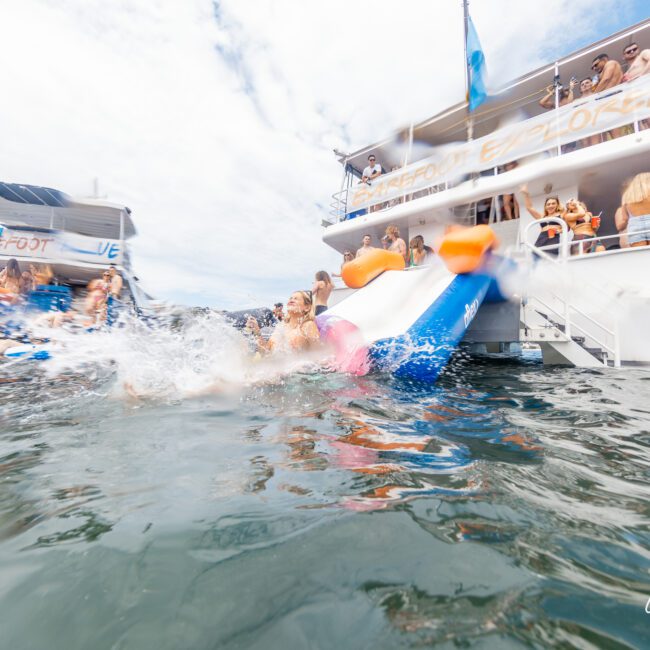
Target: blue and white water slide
410	322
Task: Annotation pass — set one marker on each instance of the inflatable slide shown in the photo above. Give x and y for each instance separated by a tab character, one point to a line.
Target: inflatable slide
409	321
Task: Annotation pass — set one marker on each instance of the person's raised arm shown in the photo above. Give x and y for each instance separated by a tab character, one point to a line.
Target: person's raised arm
253	327
528	203
548	101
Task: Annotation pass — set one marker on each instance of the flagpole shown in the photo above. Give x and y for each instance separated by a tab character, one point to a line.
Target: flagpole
470	120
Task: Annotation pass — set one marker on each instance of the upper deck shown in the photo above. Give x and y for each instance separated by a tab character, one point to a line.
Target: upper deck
43	224
434	166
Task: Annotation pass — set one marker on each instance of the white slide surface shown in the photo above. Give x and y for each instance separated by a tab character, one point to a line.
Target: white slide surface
390	304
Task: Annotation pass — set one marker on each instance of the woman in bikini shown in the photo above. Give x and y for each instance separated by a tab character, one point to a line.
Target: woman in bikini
578	218
549	230
10	282
297	332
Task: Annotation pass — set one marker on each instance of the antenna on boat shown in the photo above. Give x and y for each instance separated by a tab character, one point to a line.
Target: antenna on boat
96	194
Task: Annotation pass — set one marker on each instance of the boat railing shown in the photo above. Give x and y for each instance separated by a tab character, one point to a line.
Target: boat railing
630	122
570	317
567	248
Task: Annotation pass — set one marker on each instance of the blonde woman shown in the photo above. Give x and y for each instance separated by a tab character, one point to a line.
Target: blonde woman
578	218
297	332
636	210
348	256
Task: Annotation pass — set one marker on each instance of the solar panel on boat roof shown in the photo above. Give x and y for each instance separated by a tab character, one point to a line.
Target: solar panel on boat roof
33	194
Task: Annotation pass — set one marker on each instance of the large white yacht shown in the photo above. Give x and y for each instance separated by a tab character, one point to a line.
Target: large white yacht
77	239
581	309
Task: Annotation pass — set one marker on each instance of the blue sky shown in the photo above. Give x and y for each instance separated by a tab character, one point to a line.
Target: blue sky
215	122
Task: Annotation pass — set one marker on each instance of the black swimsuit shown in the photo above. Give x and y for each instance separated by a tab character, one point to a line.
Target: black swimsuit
544	239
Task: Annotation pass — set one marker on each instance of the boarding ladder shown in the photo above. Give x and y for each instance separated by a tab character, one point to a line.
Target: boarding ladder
565	332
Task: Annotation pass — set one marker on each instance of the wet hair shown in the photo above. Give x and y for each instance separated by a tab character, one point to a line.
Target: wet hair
392	230
324	277
552	198
309	301
13	270
600	57
638	190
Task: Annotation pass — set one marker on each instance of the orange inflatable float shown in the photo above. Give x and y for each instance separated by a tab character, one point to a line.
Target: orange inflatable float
360	271
463	249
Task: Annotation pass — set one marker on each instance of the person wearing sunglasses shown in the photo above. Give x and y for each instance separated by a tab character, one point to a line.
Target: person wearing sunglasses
609	72
372	170
638	62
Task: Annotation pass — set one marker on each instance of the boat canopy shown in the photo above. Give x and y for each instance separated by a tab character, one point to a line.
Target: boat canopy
517	101
44	207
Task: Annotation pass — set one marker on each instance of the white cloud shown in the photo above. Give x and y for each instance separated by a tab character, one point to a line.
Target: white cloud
215	123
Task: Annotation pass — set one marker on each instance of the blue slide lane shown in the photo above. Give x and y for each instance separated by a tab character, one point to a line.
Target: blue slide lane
423	351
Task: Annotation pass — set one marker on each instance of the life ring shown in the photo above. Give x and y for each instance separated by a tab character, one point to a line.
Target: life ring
360	271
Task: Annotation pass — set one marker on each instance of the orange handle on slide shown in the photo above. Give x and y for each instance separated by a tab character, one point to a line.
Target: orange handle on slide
360	271
463	249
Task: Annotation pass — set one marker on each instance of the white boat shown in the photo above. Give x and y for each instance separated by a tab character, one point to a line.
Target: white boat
77	238
585	309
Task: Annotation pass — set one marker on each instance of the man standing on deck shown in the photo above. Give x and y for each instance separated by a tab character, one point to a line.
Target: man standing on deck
115	287
372	170
610	73
366	247
396	243
638	62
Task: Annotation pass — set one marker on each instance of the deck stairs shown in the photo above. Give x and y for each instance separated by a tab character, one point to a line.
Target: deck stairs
567	333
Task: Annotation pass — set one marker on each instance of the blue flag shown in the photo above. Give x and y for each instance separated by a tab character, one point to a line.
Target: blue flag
476	67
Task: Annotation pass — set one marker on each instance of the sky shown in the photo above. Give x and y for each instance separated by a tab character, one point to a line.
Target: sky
215	122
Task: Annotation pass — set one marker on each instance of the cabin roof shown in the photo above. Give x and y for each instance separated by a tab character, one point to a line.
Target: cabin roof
33	205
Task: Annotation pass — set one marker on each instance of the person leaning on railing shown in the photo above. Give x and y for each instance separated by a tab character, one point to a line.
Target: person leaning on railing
636	210
549	230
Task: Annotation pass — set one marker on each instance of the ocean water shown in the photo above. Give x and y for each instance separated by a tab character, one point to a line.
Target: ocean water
506	506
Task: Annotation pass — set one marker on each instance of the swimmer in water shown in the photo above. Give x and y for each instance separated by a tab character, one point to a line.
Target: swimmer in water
296	332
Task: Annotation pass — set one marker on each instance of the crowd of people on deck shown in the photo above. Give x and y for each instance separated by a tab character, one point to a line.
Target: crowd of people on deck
607	73
632	219
16	286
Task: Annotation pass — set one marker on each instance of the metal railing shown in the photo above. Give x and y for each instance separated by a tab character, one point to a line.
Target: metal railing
339	206
569	315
